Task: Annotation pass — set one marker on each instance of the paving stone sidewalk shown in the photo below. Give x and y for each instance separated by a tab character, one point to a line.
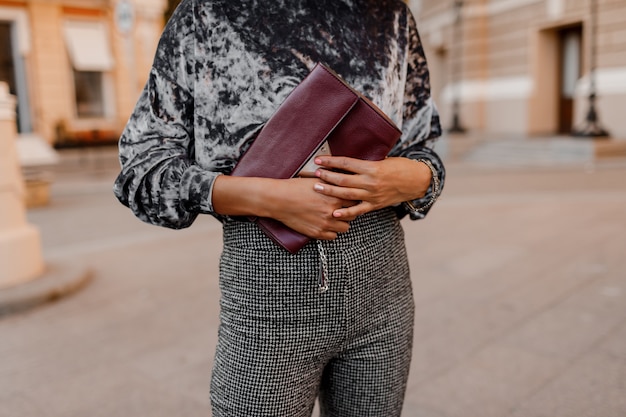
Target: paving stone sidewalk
519	277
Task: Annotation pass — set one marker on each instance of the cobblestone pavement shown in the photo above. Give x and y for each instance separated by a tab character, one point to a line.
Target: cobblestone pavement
519	277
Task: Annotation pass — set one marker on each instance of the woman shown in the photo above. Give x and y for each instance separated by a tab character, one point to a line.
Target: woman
221	69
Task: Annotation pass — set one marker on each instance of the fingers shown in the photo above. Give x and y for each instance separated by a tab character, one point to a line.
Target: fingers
347	172
341	192
349	203
344	163
338	178
351	213
331	229
356	201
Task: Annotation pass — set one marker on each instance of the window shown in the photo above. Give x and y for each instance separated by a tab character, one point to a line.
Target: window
90	55
88	92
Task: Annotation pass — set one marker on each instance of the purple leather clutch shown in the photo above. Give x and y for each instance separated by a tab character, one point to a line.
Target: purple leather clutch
323	110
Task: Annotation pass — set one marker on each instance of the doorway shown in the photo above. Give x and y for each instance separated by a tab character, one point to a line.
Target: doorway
7	68
569	71
12	72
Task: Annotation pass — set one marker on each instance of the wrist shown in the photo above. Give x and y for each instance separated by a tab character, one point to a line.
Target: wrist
433	190
243	196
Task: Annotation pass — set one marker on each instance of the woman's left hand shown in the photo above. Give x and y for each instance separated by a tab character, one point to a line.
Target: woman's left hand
374	184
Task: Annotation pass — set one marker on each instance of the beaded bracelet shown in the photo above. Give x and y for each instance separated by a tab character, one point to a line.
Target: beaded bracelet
435	189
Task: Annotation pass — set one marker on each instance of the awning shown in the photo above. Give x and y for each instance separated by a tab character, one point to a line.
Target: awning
88	45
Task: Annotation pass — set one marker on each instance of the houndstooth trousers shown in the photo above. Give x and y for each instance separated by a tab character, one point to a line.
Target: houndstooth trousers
282	343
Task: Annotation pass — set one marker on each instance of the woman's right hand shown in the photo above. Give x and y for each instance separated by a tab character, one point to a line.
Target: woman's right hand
296	205
293	202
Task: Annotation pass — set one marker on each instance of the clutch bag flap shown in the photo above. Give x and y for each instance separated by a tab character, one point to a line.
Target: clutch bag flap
298	127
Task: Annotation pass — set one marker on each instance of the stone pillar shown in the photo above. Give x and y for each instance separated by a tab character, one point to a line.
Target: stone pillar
20	246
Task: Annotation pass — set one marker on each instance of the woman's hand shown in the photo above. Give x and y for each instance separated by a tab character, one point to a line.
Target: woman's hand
298	206
375	184
290	201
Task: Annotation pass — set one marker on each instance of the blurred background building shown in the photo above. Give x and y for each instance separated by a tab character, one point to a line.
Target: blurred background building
76	66
513	66
522	67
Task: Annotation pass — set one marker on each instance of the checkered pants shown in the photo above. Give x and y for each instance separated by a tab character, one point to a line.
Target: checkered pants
282	342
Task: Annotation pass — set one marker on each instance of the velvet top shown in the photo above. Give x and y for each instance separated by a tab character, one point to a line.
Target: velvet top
221	69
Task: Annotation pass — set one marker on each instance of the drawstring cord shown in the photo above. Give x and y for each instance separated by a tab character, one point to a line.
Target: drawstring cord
322	280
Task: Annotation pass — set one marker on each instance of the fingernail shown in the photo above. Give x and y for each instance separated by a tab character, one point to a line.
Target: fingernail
318	173
318	161
318	187
336	214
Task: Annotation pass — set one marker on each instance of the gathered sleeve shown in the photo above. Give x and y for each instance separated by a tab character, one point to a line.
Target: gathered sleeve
420	123
159	179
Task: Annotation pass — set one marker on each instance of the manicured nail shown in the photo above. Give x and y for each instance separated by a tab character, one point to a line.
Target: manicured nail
318	173
318	187
318	161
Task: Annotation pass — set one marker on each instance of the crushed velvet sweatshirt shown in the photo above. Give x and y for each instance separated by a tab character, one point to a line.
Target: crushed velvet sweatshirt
223	67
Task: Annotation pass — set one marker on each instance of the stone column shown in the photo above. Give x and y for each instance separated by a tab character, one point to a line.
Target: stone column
21	259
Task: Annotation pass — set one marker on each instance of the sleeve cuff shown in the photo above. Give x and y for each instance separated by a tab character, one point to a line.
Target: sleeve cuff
418	208
197	191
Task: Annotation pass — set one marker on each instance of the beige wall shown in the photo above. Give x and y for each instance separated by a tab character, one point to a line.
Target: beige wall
50	84
507	56
510	64
49	70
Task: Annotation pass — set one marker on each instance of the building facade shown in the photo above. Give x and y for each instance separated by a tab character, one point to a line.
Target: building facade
522	67
76	66
519	67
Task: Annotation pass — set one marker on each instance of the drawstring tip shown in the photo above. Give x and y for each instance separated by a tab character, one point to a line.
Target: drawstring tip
322	279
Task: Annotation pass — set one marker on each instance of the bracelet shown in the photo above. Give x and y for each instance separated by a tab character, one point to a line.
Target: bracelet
435	189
